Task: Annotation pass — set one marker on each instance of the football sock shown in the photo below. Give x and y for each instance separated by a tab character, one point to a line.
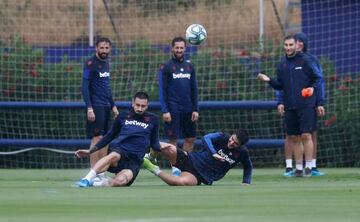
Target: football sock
299	166
288	163
308	164
313	163
91	175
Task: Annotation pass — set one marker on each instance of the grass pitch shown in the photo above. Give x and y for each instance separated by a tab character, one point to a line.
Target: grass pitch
49	195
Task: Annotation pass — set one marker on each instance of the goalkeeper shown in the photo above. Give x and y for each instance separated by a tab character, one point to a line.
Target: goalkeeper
221	153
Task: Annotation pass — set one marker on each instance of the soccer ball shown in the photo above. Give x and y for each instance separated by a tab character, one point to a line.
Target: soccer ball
196	34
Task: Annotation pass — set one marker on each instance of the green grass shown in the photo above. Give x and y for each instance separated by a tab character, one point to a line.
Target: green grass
49	195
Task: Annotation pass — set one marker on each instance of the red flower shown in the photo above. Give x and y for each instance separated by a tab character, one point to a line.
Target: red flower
221	85
34	73
343	88
69	68
334	78
348	79
330	121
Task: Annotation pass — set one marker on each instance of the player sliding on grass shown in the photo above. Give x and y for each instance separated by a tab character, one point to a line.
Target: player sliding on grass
134	132
221	153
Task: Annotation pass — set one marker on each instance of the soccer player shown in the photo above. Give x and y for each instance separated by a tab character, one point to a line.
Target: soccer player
133	131
221	153
301	45
179	97
97	95
297	72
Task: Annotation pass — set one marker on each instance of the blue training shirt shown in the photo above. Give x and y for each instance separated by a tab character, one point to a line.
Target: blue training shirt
178	87
211	169
319	92
133	133
96	89
293	75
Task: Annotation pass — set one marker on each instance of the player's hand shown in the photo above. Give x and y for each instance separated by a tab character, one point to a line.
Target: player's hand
320	111
218	157
263	77
82	153
91	115
115	111
194	116
167	117
281	109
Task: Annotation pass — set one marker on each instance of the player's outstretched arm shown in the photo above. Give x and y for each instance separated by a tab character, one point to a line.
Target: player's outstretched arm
82	153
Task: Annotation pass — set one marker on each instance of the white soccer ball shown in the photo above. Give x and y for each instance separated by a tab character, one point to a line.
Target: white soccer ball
196	34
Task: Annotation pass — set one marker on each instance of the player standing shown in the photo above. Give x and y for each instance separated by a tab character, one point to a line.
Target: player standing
179	97
301	46
295	73
96	91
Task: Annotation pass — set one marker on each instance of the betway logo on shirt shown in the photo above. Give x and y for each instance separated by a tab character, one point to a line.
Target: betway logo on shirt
226	157
104	74
181	76
136	123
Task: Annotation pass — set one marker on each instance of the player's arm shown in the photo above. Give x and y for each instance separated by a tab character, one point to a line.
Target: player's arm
279	95
85	86
247	165
112	104
103	142
154	140
163	84
208	141
194	91
274	83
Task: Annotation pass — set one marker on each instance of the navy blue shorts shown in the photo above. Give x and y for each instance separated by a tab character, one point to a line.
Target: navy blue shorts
184	163
127	161
300	121
102	122
180	126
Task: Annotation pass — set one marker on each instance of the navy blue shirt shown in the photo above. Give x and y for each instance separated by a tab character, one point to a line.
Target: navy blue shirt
319	92
133	133
178	87
293	75
96	88
211	169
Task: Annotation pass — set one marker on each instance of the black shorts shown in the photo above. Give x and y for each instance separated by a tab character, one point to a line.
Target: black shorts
300	121
183	162
180	126
102	122
127	161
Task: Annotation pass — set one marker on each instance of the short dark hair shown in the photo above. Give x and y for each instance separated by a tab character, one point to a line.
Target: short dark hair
102	39
291	36
141	95
242	136
177	39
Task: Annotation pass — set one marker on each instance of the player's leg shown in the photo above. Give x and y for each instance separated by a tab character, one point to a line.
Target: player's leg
314	169
188	130
307	119
96	130
172	132
288	151
293	132
184	179
123	178
101	166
